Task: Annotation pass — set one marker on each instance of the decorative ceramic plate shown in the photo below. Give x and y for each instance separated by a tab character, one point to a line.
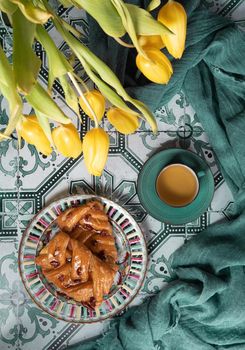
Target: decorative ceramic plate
132	261
149	198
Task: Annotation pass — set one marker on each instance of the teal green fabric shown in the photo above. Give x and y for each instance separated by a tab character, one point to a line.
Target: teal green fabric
204	308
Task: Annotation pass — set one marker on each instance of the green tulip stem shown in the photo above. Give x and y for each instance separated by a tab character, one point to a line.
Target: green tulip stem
2	136
81	94
128	25
121	42
81	82
71	29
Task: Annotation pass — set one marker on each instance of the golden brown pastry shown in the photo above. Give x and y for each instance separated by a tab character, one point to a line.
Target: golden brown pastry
102	277
96	220
54	254
104	248
96	205
81	261
61	277
81	235
68	253
42	261
99	243
82	293
71	216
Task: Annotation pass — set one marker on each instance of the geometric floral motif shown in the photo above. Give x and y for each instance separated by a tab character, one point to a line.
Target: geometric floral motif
123	194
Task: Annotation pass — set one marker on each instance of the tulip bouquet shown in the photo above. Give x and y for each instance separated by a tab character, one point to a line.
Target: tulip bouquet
19	80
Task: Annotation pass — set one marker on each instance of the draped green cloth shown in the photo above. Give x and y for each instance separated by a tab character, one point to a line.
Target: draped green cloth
204	308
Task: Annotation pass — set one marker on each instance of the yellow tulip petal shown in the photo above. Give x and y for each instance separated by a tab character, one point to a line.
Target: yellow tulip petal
67	140
95	150
151	41
124	122
97	103
173	16
31	132
157	68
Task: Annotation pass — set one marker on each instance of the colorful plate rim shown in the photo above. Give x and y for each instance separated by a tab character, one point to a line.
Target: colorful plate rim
131	222
174	218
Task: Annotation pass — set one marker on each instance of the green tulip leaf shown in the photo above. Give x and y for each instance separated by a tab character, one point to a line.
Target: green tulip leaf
70	95
58	65
97	65
103	72
66	3
4	137
8	89
44	123
71	29
26	64
128	23
7	7
42	102
110	94
33	12
105	14
148	116
144	23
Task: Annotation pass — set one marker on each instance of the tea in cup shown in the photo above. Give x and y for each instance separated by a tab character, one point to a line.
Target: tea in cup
177	185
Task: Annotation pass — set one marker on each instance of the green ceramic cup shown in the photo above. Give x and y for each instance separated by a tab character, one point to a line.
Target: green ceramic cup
159	209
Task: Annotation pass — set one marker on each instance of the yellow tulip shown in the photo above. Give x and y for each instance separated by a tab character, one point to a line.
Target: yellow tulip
151	41
173	16
67	141
95	150
97	103
124	122
157	68
30	130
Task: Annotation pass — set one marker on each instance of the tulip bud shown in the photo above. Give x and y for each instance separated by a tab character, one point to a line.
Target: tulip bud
157	68
173	16
97	103
30	130
124	122
95	150
67	141
151	42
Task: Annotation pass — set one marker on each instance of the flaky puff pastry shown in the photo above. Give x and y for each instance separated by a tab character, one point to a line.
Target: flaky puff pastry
71	216
102	276
81	262
54	254
104	248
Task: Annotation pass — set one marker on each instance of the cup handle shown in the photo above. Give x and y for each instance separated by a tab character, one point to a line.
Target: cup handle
201	173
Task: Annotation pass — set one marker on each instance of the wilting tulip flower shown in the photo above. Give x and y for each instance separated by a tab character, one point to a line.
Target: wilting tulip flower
97	103
30	130
156	68
67	141
173	16
123	121
95	150
151	41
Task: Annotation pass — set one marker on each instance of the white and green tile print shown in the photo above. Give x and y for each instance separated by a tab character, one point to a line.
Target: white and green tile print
29	180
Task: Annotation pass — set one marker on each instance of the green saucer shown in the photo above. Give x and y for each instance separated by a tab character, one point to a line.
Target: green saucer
147	187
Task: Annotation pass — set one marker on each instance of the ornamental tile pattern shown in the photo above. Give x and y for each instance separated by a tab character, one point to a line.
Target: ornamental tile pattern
29	181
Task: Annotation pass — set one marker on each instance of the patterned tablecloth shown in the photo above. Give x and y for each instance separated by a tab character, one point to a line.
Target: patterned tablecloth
29	180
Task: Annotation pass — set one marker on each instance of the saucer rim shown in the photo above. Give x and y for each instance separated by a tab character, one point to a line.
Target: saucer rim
175	218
